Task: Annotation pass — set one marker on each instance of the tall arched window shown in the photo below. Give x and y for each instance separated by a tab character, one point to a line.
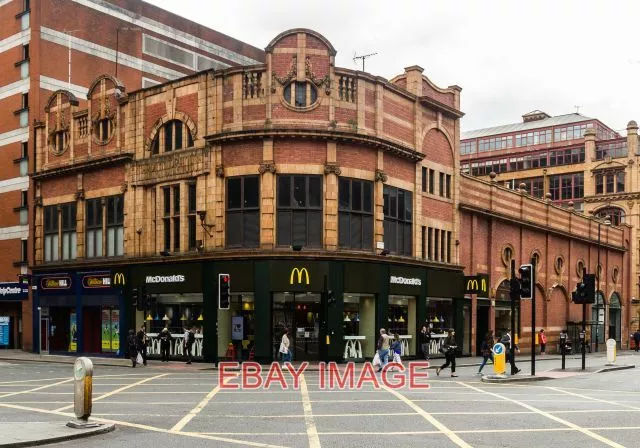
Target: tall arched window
173	135
616	215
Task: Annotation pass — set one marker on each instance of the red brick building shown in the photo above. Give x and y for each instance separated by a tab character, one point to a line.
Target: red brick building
48	45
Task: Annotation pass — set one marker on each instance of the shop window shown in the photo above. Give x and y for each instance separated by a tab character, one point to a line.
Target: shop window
359	321
115	225
355	221
191	214
51	233
243	211
439	316
172	136
93	229
69	235
299	217
398	218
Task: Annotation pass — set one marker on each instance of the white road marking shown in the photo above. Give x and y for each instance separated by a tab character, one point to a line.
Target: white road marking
312	431
600	400
36	389
552	417
195	411
117	391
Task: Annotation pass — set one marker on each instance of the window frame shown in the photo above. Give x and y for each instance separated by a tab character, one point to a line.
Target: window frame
395	217
292	210
245	211
352	213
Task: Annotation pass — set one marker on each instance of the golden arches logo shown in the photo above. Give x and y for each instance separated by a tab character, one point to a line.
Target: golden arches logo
483	285
300	273
472	285
118	279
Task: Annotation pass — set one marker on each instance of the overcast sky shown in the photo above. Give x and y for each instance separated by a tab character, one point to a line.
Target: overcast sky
509	57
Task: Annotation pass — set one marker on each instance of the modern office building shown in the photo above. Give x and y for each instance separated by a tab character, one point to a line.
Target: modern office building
48	45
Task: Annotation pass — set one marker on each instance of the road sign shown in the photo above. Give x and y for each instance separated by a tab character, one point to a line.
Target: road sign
499	362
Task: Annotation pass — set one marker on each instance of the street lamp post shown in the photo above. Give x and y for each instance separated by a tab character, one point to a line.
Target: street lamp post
598	274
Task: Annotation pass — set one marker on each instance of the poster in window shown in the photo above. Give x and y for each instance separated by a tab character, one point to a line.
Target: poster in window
73	332
4	330
106	330
237	328
115	330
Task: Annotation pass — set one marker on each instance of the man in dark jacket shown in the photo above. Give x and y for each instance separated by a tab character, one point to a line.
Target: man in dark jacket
142	343
506	341
132	344
449	347
636	338
190	339
425	341
165	343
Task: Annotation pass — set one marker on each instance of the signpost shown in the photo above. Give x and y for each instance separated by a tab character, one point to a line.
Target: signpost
499	364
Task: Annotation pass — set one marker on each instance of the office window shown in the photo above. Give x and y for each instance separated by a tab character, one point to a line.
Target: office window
69	235
436	244
243	211
24	252
448	185
424	242
25	52
609	183
448	247
115	225
599	183
51	233
424	179
430	243
566	187
191	215
398	218
355	217
432	176
166	217
93	230
441	185
619	181
299	216
176	218
613	150
468	147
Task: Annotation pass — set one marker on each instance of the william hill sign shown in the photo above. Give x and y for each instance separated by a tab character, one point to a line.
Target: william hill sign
477	284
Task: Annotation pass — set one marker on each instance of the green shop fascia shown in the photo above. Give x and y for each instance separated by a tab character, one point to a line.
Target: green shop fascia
332	309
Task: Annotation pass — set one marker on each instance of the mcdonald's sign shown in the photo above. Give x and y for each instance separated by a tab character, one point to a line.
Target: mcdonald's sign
299	272
477	284
118	279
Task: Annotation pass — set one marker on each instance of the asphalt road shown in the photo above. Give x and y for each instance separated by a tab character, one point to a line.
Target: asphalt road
171	406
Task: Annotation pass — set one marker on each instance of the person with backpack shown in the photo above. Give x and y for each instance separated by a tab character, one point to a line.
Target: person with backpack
506	341
132	344
542	339
189	340
486	349
165	343
449	347
383	348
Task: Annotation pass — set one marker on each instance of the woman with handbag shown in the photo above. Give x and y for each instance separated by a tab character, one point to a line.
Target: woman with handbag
449	346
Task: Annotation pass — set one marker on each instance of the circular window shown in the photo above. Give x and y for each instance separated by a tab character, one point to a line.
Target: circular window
580	268
558	264
300	94
507	255
103	130
615	274
59	141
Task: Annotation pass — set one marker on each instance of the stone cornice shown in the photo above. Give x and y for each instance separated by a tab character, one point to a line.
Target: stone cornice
367	140
447	110
612	197
86	165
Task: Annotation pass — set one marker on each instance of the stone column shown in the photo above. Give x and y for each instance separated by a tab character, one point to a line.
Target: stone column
590	145
332	171
267	196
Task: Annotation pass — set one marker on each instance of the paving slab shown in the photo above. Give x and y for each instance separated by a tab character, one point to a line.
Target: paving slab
21	434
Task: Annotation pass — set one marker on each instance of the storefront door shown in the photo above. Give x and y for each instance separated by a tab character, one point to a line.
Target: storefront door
44	334
301	314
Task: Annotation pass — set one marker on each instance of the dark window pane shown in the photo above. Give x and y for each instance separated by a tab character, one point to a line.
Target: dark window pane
167	234
386	202
301	94
284	191
344	232
251	192
368	197
299	227
367	232
234	192
192	198
192	232
287	94
314	222
390	235
251	229
357	195
234	229
168	137
408	205
407	250
176	234
314	94
167	201
393	203
189	139
119	209
299	191
344	193
178	130
315	191
284	228
356	231
176	200
401	206
91	210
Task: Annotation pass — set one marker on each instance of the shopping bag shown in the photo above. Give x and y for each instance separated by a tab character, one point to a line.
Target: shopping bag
376	359
139	359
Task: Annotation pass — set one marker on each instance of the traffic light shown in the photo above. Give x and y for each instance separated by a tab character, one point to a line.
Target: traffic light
147	301
585	290
135	297
224	291
526	281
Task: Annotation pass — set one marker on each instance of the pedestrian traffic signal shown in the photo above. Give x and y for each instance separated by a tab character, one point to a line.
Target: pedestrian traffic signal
526	281
224	291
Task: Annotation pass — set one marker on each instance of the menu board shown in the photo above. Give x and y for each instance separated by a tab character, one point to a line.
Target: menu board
4	330
106	330
73	332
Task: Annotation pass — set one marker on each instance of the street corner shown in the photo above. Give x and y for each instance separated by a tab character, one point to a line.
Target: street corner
514	378
22	434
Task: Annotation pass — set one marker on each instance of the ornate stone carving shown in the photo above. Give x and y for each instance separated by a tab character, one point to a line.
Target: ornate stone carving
171	166
332	168
319	82
267	166
293	72
38	201
80	195
220	171
380	176
124	187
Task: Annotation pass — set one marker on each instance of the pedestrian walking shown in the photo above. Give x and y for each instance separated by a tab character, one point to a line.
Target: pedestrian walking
449	347
189	340
486	349
636	338
165	343
396	349
383	348
285	350
425	341
132	344
542	339
506	341
142	343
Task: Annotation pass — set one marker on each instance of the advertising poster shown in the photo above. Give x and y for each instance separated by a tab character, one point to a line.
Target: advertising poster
73	332
115	330
106	330
237	328
4	330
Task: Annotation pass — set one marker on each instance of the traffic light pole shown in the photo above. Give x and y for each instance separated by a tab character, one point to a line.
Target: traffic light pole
533	316
514	295
583	339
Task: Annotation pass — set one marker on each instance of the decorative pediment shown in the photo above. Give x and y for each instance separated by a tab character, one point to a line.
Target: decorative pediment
609	165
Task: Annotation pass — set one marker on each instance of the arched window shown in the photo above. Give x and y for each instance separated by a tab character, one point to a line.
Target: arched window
173	135
103	130
59	141
616	215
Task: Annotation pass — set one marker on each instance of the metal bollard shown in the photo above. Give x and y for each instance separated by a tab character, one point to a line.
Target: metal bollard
83	392
563	346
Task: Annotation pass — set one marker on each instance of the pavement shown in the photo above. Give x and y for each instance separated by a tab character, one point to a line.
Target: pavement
22	434
164	406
